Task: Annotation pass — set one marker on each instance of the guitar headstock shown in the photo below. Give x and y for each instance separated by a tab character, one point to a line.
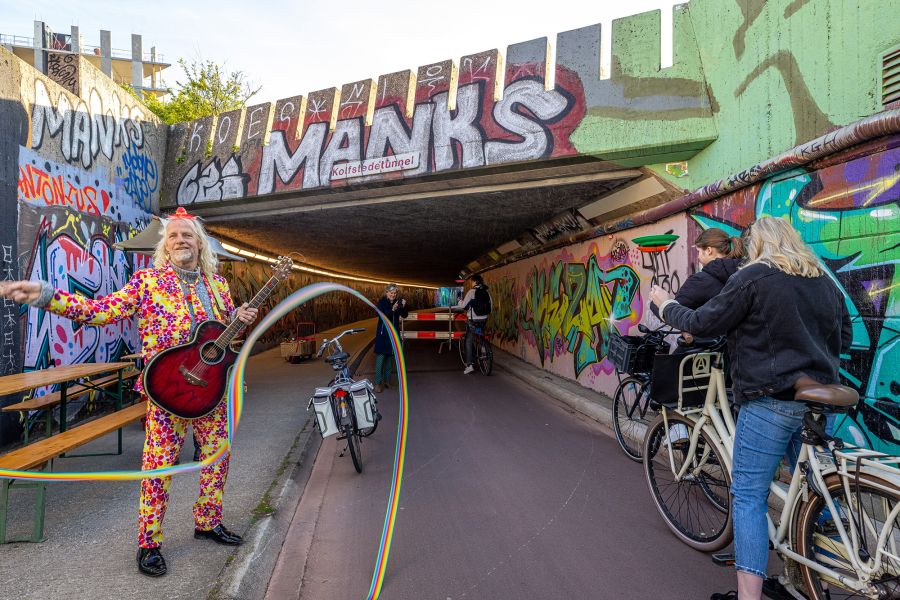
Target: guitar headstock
282	269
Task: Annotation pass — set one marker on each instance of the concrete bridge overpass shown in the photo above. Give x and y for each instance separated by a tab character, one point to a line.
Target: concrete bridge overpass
418	176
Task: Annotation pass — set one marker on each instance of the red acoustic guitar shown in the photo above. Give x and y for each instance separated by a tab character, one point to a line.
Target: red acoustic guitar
190	380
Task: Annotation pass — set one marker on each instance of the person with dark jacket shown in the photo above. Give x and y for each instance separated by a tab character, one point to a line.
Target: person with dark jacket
719	257
786	320
394	310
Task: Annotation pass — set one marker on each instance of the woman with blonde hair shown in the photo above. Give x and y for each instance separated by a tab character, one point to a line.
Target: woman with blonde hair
786	320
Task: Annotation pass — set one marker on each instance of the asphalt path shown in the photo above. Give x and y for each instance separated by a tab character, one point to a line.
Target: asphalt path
506	494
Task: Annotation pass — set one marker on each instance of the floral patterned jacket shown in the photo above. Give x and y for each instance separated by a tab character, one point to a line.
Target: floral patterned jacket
156	296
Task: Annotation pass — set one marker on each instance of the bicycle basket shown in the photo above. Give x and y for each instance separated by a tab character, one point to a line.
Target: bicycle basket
631	353
691	371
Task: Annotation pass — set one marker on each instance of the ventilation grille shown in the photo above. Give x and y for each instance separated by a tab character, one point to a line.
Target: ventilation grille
890	77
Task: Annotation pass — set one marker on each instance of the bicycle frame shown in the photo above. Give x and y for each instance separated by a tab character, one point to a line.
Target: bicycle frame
715	419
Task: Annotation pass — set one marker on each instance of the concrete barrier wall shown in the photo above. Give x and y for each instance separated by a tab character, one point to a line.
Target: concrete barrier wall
556	310
749	79
79	170
486	109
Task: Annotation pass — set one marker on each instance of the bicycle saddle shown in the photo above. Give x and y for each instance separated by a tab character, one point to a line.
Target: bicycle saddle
340	356
835	397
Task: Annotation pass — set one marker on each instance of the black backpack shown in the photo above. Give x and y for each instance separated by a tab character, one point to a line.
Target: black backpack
481	303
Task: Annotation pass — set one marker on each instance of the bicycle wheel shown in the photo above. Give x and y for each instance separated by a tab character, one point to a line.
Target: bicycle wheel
485	356
817	539
692	507
462	350
353	443
630	406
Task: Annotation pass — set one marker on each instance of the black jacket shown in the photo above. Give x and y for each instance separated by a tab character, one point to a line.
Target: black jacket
382	336
779	327
704	284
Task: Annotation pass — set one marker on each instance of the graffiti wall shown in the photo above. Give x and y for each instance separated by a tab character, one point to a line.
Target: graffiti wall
485	110
326	311
846	208
81	168
558	309
749	79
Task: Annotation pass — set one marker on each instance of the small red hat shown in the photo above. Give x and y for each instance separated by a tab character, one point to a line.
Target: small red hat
181	214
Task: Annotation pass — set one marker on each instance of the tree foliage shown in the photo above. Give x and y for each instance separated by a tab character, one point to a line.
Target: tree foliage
209	90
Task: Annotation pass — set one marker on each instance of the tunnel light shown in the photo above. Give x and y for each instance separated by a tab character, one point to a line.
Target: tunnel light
315	271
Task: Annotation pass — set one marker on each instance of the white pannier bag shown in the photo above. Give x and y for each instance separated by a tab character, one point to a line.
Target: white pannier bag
363	403
324	415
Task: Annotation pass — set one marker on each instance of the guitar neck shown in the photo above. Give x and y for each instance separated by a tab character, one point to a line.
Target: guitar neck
235	326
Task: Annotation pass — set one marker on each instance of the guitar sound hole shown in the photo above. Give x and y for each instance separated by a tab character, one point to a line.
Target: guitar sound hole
211	354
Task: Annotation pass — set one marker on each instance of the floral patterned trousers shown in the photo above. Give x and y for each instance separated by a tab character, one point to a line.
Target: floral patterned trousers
162	444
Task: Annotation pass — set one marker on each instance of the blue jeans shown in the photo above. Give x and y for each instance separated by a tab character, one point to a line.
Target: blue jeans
767	429
471	328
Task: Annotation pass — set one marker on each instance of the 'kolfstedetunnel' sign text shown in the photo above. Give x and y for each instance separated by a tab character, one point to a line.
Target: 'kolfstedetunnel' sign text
372	166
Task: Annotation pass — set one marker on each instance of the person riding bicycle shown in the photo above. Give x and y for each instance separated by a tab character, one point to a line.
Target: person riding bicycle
787	323
478	305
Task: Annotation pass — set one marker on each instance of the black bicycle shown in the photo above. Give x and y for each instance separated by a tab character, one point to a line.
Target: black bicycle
633	355
484	352
346	407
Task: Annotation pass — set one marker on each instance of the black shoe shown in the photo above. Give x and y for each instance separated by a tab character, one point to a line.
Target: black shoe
196	454
151	562
220	535
732	595
773	589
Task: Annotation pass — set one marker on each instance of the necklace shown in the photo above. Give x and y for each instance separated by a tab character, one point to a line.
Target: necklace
189	277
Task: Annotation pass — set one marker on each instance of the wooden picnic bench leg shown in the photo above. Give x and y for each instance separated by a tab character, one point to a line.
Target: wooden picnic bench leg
4	502
119	406
62	407
37	534
37	531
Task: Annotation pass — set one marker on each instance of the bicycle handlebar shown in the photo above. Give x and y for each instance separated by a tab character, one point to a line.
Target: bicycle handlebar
326	342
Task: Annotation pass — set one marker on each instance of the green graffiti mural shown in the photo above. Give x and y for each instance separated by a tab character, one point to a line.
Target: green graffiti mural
848	214
504	319
569	308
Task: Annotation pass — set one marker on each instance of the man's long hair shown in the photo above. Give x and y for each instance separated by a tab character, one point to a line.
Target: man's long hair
773	242
208	262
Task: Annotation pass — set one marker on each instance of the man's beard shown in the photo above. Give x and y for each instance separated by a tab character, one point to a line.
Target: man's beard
183	257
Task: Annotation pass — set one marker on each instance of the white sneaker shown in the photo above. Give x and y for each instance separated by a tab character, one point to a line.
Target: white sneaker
468	370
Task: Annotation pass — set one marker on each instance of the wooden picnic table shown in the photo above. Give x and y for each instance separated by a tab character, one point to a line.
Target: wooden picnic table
64	376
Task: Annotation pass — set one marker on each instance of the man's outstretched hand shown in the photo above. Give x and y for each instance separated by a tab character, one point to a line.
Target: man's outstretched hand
20	291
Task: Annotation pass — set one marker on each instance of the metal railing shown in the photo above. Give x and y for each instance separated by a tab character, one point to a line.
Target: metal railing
28	42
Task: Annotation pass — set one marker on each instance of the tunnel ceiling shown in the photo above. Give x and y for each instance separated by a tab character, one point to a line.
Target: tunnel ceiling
420	234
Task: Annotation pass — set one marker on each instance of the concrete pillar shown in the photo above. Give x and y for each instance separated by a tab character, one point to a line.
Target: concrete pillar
106	53
153	68
76	40
137	62
40	61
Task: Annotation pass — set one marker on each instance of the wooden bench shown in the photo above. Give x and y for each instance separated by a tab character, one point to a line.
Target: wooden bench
51	400
40	454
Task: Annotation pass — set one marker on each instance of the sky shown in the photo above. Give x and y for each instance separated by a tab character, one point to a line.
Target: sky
297	47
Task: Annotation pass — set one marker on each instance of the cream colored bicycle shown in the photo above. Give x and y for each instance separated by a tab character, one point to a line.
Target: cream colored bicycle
837	530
